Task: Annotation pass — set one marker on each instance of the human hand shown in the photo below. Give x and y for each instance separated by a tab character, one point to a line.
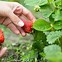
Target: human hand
3	51
12	14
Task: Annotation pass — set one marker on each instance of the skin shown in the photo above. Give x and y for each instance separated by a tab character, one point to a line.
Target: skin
11	13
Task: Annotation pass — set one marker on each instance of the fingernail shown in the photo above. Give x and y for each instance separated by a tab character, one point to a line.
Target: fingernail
21	24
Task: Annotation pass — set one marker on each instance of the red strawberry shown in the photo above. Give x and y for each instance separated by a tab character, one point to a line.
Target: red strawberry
27	26
1	36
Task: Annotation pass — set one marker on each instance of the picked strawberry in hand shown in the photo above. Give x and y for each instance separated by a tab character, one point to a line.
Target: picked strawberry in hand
27	26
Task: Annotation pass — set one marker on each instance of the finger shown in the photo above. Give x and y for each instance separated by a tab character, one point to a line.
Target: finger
15	19
2	51
18	11
13	28
22	17
21	31
27	13
17	30
22	10
10	25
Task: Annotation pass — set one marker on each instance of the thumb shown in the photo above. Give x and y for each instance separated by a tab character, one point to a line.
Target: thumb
15	19
2	51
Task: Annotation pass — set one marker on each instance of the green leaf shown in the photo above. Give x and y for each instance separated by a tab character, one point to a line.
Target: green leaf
31	2
36	2
53	53
52	49
58	2
39	40
39	35
46	11
53	36
52	2
57	25
41	25
43	2
60	6
58	15
38	45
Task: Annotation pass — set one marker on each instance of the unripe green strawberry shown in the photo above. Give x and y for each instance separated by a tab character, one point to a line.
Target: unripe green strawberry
1	36
27	26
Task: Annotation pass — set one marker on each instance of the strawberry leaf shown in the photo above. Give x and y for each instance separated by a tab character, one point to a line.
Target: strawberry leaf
46	11
41	25
53	36
36	2
57	25
53	53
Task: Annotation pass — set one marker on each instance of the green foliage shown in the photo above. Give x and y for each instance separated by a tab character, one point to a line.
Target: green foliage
53	36
47	33
39	39
34	2
53	53
29	57
46	11
58	25
41	25
57	15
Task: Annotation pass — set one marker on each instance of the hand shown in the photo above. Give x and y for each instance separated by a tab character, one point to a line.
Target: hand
2	51
12	14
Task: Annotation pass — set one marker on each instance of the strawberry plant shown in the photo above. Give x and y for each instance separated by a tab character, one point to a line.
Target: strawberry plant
47	32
